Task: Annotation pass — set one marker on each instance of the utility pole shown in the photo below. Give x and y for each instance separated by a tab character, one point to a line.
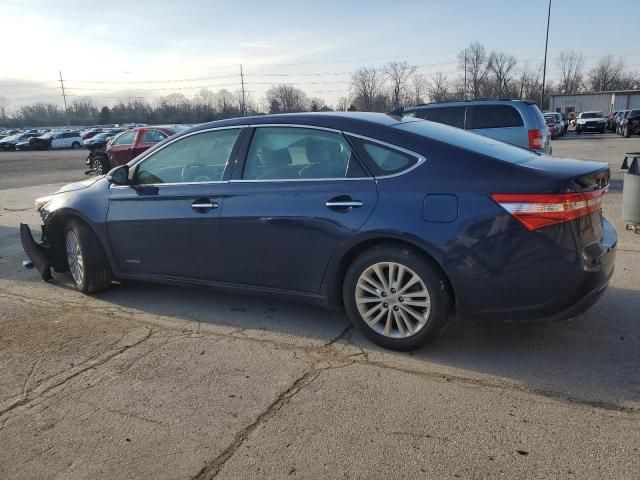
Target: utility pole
465	74
544	68
64	96
243	109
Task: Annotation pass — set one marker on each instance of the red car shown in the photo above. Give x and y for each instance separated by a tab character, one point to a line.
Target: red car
553	126
131	143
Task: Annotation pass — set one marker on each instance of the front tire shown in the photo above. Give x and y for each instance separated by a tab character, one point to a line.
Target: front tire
86	259
396	298
100	164
626	132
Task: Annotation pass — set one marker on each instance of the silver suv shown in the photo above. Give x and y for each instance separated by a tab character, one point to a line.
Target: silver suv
517	122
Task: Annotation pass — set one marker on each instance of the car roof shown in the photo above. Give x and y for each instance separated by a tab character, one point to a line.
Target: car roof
356	122
479	101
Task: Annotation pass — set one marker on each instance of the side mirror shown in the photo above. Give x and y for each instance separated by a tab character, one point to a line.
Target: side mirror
119	175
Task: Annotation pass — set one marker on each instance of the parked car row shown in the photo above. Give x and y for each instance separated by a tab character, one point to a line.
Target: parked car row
556	123
625	122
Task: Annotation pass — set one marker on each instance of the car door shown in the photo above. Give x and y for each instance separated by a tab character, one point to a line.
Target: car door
121	149
299	194
56	141
500	122
166	222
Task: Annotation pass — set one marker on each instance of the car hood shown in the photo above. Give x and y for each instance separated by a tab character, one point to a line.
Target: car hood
78	185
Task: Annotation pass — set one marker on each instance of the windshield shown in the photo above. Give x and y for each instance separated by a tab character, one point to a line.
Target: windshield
591	115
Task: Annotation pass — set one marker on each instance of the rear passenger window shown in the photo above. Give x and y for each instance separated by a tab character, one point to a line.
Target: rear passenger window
495	116
153	136
453	116
287	153
383	160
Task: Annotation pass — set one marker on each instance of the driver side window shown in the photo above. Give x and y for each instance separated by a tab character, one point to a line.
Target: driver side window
197	158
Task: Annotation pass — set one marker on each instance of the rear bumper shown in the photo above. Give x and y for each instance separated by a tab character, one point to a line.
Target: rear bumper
36	252
546	288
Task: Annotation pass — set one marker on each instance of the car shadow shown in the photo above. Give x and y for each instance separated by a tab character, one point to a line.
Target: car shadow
592	358
572	136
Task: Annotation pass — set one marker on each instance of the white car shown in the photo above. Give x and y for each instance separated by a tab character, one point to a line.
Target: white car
65	140
590	122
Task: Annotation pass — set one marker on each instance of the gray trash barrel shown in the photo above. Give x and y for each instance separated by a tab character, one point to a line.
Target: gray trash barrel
631	196
629	157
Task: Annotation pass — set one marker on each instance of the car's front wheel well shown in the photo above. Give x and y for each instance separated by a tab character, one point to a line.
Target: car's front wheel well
54	238
335	292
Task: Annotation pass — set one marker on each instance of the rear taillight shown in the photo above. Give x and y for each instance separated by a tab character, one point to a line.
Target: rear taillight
536	211
535	138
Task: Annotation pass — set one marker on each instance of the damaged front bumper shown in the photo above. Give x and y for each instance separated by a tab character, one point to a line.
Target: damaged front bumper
37	253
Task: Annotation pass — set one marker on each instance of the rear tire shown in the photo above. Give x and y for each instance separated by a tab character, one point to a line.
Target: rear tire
75	145
86	259
384	304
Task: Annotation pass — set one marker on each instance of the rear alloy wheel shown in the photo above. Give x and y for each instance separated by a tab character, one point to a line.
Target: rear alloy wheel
396	298
86	259
75	145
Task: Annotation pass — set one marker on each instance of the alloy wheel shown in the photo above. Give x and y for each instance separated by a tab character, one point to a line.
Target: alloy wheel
74	257
393	300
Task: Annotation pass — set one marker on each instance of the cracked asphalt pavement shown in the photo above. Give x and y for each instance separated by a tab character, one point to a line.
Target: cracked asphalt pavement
152	381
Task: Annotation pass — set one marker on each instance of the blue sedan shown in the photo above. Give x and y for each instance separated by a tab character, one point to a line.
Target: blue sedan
398	221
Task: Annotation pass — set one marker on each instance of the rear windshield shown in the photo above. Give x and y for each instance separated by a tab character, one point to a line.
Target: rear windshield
468	141
591	115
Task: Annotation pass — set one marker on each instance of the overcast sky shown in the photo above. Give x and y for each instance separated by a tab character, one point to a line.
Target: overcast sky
314	44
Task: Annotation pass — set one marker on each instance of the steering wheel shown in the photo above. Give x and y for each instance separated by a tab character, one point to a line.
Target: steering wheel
194	172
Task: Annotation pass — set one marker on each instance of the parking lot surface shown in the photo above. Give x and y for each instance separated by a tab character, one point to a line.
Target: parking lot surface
150	381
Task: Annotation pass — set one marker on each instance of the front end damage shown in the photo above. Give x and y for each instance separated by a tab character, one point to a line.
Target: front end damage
37	253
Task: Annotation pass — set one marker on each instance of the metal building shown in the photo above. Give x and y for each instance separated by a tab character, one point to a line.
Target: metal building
605	102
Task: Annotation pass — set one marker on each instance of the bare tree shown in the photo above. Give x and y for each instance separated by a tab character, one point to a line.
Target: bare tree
3	110
528	83
477	63
398	74
343	104
501	66
570	64
289	98
439	87
419	88
609	74
366	84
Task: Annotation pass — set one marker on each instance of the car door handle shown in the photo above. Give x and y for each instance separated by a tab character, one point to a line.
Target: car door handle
204	205
342	204
350	203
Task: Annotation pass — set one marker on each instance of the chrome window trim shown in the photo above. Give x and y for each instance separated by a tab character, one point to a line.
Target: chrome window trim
421	158
272	180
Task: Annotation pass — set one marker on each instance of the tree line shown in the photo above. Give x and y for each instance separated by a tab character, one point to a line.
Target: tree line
480	73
